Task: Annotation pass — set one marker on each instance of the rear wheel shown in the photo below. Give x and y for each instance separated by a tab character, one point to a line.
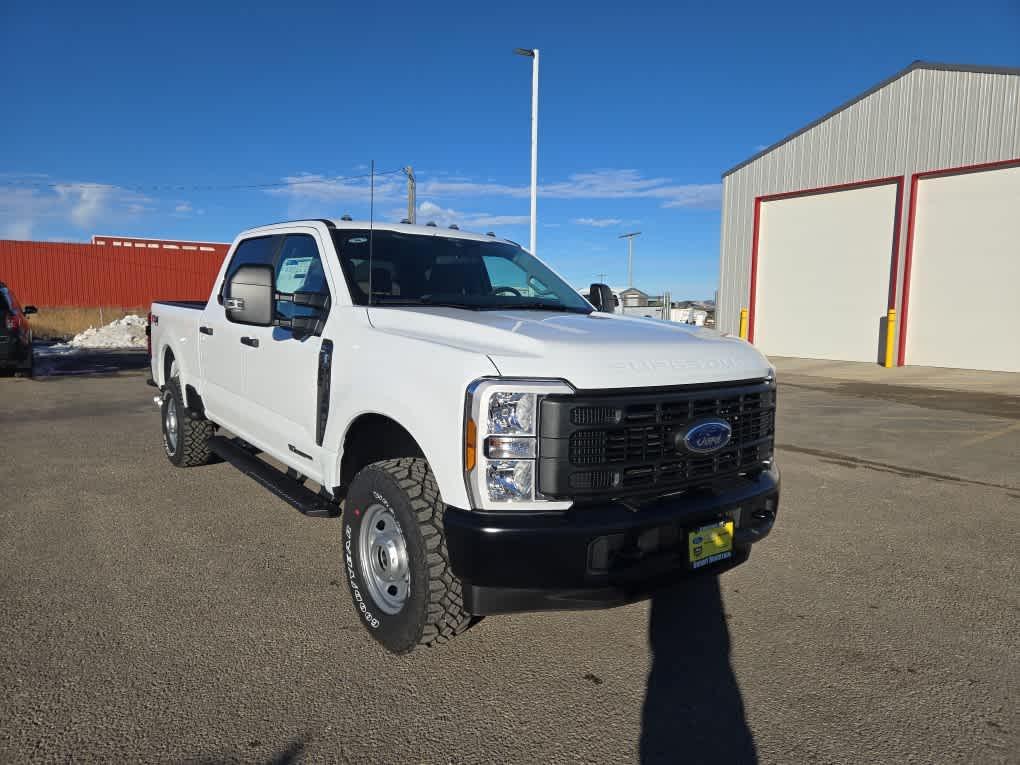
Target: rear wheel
395	557
185	434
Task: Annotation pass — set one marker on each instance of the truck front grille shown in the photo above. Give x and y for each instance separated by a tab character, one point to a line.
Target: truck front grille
632	443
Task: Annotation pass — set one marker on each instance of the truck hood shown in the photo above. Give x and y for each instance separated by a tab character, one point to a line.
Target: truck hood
596	351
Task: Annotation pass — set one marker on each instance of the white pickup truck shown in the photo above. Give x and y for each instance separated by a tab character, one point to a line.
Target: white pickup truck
492	441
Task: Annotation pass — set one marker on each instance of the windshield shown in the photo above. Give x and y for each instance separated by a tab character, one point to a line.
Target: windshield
411	269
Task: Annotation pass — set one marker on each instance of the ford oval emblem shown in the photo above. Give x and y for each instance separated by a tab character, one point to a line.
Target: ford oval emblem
707	437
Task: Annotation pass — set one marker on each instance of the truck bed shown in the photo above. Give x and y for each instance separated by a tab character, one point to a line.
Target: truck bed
176	319
195	305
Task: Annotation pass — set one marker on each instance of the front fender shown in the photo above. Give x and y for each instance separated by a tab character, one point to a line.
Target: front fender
419	385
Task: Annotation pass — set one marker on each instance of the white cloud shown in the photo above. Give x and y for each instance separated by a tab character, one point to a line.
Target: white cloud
85	202
183	208
596	184
466	188
444	216
17	230
597	222
630	184
339	189
82	205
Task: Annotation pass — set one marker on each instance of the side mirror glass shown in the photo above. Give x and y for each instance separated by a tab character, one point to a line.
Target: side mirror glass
248	297
28	310
600	296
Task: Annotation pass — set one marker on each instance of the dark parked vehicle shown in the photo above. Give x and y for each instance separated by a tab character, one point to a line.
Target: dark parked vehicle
15	334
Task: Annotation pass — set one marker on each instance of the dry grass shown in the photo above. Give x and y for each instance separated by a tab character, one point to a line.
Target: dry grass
63	323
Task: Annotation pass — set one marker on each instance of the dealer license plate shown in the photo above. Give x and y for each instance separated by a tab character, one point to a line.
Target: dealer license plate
710	544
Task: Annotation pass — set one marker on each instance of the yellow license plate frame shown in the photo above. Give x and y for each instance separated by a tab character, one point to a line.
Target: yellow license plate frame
709	544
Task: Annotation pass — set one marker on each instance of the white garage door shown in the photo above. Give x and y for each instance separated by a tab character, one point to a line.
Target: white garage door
823	273
964	308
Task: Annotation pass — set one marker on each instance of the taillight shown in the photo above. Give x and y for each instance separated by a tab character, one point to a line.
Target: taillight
12	321
148	336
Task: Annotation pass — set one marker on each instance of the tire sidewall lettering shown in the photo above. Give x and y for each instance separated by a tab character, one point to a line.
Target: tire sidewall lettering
352	577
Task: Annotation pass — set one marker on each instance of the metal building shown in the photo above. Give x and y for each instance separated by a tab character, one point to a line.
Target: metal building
905	198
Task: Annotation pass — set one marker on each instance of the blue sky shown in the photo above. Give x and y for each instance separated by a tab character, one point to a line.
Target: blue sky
643	106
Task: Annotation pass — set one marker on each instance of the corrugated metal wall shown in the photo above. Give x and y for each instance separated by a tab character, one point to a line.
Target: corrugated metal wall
59	274
928	119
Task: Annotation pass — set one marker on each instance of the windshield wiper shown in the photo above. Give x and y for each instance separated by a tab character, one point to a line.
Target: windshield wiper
399	302
534	305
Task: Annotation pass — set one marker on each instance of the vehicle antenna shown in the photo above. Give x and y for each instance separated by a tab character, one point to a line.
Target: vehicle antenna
371	226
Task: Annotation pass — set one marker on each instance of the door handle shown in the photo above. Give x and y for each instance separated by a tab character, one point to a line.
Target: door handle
206	330
250	341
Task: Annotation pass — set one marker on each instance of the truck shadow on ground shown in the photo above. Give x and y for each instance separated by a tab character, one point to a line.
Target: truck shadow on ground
693	711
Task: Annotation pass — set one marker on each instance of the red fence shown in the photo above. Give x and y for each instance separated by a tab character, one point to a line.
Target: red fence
58	274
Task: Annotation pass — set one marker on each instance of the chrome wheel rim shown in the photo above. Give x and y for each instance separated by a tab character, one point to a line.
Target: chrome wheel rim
382	553
171	424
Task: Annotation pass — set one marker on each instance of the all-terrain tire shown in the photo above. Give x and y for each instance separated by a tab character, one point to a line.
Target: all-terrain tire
189	446
433	611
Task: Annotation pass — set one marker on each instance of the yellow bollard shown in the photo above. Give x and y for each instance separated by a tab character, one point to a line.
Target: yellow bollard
743	323
890	336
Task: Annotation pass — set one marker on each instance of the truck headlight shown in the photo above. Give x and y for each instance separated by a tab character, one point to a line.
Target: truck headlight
510	480
512	413
501	443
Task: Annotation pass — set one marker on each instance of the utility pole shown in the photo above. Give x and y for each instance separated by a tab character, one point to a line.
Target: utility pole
411	205
532	53
602	278
630	255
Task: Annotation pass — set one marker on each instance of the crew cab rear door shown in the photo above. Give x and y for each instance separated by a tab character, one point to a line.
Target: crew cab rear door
221	343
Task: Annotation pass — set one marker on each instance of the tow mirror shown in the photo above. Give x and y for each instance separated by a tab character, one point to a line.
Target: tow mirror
249	296
28	310
600	296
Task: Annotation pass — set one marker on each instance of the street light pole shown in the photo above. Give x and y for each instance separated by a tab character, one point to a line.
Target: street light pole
532	53
630	255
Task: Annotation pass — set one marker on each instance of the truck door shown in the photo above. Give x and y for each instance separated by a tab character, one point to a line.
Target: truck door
220	343
281	373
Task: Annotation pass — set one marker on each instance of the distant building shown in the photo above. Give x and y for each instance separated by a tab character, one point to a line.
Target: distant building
632	297
688	315
143	243
905	197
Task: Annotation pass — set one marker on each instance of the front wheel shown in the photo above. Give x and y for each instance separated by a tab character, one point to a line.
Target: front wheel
395	558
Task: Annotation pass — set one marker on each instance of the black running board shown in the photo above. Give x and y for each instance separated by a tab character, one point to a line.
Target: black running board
290	490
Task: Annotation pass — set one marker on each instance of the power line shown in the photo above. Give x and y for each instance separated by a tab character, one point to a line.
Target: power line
25	183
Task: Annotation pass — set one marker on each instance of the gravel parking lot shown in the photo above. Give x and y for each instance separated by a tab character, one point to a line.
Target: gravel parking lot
155	614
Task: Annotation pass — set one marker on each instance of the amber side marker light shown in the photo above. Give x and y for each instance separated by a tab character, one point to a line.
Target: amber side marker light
470	437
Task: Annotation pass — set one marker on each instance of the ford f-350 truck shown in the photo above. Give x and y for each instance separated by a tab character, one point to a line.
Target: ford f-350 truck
492	441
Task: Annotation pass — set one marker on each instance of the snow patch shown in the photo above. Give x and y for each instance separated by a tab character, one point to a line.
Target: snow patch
128	332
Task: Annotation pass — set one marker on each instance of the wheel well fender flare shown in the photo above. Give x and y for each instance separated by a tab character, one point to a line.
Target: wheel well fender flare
370	437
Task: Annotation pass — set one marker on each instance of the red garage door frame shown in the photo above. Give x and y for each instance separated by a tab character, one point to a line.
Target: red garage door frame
909	254
899	180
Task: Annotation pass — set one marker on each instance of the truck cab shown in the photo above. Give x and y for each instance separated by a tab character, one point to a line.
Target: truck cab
490	440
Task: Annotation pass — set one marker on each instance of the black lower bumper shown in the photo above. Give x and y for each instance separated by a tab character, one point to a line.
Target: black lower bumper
597	556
